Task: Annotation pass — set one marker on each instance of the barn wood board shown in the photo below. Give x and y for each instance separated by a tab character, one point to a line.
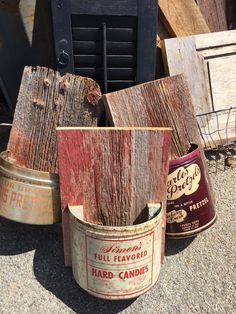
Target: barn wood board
182	17
214	12
47	100
161	103
113	173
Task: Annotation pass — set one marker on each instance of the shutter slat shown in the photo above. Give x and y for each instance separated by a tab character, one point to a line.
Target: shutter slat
95	47
95	34
112	73
125	61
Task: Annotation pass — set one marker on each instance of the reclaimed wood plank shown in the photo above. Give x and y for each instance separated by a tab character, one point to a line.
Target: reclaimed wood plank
113	172
214	12
165	102
182	17
47	100
208	61
180	56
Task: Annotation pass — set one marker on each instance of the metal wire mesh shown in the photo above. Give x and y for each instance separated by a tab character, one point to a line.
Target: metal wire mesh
218	133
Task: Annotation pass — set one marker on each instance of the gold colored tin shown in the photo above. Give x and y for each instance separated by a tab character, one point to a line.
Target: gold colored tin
27	195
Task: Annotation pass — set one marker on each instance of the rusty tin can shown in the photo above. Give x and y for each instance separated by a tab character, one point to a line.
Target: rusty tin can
115	262
27	195
190	204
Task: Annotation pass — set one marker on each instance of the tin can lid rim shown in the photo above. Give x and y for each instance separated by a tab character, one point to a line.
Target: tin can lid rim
194	151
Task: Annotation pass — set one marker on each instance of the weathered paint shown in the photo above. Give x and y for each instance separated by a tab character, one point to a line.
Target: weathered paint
190	205
115	262
28	196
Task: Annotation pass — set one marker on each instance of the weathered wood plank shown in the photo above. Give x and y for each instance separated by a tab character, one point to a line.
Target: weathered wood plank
182	17
165	102
209	63
112	172
47	100
214	12
180	56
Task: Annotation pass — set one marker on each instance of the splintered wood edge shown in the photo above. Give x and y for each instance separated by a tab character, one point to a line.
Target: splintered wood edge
116	128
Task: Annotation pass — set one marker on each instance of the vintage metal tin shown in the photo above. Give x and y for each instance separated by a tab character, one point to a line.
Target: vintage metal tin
115	262
190	204
28	196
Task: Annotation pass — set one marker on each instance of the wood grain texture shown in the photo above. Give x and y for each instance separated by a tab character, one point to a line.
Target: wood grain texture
47	100
182	17
165	102
180	56
112	172
208	61
214	12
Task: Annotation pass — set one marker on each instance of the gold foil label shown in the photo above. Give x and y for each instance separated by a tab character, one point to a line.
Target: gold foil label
176	216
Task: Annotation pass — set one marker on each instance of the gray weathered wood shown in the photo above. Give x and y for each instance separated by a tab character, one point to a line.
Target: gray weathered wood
209	63
165	102
47	100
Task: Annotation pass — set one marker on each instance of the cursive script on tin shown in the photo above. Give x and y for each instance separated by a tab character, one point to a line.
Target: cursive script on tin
115	248
183	181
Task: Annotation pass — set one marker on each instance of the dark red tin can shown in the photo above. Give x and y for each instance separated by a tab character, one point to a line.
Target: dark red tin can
190	203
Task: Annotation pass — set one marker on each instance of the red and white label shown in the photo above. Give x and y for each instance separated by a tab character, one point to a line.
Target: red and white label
120	267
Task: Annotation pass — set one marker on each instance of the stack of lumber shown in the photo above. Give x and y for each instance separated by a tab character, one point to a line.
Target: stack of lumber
191	17
195	40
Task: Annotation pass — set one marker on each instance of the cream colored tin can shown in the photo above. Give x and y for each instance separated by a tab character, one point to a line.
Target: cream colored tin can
115	262
27	195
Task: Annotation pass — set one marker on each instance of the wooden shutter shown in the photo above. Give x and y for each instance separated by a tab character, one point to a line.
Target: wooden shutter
111	42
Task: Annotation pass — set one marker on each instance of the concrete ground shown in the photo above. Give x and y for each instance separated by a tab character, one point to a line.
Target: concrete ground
198	276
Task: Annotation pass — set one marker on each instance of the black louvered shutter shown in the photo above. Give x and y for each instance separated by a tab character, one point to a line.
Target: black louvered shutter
112	42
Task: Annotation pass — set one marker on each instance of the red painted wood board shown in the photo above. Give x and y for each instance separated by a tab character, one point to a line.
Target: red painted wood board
113	172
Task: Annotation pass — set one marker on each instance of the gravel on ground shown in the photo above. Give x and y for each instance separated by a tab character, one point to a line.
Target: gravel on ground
198	275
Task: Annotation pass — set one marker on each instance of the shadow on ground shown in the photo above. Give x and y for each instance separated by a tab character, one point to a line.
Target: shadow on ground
49	270
174	246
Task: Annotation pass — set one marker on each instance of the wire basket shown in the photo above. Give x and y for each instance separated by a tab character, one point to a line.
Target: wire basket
218	133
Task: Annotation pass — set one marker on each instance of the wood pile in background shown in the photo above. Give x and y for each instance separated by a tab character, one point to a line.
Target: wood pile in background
191	17
182	17
45	101
209	63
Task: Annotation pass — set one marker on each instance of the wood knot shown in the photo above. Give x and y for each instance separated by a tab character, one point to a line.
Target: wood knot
38	103
56	102
64	85
94	94
46	82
